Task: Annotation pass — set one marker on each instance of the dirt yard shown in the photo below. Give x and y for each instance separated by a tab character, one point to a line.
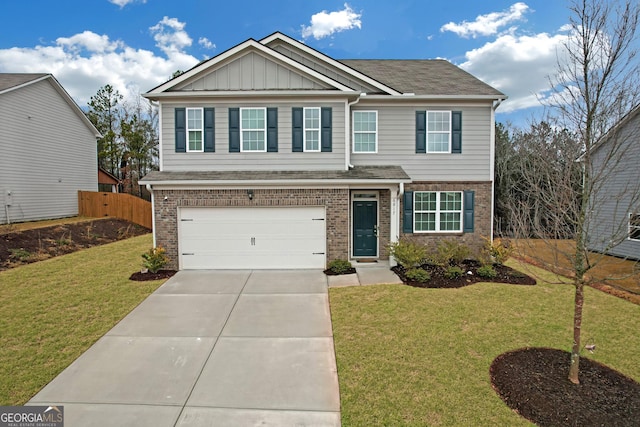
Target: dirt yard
23	244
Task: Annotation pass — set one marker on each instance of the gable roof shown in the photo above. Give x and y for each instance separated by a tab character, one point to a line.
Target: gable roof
14	81
429	78
423	76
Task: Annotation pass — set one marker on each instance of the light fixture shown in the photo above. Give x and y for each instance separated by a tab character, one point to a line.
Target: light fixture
250	194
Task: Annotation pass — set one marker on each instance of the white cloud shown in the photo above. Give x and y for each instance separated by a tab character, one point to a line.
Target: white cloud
324	24
519	66
489	24
86	61
206	43
123	3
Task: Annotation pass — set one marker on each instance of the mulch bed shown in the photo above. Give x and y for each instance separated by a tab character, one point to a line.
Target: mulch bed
28	246
330	272
439	280
533	382
139	276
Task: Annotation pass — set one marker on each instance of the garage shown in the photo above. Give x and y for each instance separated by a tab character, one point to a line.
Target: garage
251	237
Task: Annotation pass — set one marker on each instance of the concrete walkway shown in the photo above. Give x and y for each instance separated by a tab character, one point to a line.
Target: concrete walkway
223	348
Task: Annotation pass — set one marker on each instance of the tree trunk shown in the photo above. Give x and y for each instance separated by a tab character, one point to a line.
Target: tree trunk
577	325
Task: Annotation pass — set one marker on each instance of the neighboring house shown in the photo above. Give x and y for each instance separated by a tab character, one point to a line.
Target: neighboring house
107	182
274	155
614	226
48	149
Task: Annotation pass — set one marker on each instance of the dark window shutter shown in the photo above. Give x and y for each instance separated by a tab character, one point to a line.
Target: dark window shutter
468	207
325	129
456	132
421	131
297	139
272	130
234	130
407	212
181	130
209	130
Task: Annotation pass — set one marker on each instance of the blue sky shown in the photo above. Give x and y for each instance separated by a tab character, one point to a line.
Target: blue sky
136	44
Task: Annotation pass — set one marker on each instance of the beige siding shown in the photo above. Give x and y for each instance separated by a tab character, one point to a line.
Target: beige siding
222	160
48	154
397	139
252	72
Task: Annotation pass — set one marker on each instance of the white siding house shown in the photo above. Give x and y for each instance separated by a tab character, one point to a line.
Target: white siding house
47	149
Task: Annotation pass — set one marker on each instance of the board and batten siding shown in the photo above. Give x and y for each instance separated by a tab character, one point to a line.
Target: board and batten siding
253	72
397	144
47	154
616	191
313	63
223	160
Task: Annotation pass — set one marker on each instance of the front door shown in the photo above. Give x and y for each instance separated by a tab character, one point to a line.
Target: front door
365	228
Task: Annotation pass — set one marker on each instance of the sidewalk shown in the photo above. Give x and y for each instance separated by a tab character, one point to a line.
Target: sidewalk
366	274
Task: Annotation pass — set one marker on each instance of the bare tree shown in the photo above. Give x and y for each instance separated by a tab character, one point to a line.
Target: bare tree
595	86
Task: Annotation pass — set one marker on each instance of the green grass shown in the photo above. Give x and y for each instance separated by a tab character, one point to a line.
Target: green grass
409	356
52	311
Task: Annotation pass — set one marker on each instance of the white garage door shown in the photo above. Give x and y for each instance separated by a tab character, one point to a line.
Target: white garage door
219	238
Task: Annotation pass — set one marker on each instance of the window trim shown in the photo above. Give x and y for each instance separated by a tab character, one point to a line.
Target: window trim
353	132
634	228
437	213
201	130
242	130
427	132
305	129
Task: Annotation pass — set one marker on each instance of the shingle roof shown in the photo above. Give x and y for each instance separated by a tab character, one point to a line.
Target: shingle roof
422	76
9	80
358	173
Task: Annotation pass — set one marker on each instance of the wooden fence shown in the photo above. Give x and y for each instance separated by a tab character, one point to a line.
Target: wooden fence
124	206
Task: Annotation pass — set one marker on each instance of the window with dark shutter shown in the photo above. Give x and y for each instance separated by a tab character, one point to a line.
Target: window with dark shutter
272	130
326	129
407	212
468	206
234	130
297	138
209	130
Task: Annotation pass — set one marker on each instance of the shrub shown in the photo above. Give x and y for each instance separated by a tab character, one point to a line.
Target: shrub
408	253
498	252
154	259
20	254
487	272
340	266
418	275
453	272
450	252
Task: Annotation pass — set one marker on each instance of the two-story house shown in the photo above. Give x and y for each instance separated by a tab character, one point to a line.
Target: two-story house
274	155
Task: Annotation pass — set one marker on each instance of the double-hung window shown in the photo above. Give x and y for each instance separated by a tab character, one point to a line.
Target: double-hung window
438	131
365	131
437	211
634	226
312	129
253	129
195	124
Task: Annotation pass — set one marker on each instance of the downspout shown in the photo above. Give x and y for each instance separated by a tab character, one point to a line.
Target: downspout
492	156
153	213
347	132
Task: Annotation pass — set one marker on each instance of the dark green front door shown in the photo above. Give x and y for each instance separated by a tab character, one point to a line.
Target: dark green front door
365	220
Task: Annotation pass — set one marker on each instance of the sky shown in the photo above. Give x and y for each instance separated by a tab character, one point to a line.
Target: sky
135	45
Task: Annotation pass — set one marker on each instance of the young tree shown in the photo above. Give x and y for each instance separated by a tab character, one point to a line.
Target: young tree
595	86
104	114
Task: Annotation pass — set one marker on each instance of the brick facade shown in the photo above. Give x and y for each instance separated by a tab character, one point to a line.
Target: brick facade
336	202
482	213
338	220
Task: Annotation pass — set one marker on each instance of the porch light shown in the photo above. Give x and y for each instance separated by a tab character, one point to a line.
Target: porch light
250	194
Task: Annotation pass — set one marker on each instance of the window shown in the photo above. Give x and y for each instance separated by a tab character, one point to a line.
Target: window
194	129
634	226
438	131
437	211
312	129
253	129
365	131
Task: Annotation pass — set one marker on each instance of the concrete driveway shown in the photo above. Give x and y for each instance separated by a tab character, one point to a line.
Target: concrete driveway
211	348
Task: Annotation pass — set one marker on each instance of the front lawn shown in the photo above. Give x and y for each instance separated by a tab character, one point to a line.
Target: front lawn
53	310
411	356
